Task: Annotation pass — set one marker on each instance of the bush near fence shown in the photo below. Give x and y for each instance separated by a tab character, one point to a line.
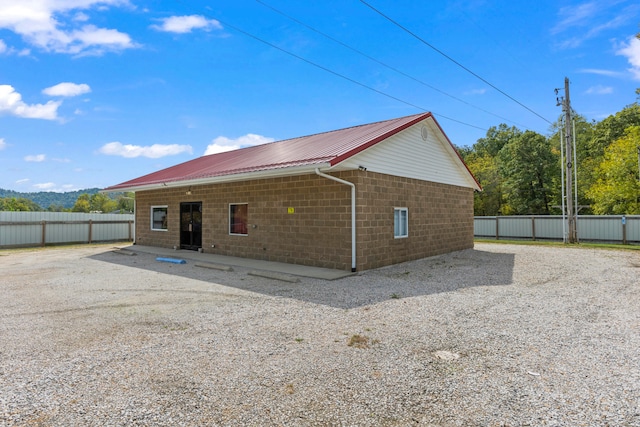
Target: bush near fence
623	229
30	229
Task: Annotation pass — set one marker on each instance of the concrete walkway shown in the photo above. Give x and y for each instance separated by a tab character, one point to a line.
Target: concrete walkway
252	264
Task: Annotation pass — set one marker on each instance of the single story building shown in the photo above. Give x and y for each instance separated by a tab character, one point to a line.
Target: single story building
356	198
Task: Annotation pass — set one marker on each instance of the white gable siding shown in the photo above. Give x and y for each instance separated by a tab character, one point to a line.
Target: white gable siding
406	154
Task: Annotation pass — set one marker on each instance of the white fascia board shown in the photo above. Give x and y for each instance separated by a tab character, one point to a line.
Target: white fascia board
247	176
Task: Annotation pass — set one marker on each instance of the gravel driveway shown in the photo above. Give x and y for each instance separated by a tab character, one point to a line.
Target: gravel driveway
501	335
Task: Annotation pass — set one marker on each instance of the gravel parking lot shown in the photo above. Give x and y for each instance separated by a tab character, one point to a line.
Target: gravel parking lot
501	335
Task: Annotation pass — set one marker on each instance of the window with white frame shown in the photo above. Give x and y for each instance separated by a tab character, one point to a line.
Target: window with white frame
400	222
159	218
238	214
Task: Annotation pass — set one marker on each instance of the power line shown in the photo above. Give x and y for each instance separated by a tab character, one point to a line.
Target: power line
451	59
335	73
493	39
383	64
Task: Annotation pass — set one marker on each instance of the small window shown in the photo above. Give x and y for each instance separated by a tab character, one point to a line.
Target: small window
159	218
400	222
238	214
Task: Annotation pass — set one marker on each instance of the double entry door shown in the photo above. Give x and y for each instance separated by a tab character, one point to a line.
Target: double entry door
191	225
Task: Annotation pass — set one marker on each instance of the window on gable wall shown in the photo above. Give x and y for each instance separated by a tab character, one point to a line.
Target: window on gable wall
159	218
238	214
400	222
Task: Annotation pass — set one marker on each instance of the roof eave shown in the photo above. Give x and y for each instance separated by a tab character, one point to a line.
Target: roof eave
474	181
271	173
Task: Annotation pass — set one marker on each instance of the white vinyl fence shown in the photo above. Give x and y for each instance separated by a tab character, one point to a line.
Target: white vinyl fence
27	229
591	228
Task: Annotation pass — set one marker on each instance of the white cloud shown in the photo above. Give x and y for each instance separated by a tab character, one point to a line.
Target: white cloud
67	89
476	92
185	24
587	20
574	16
3	144
154	151
599	90
45	186
22	181
600	72
49	25
81	17
35	158
222	143
6	50
631	51
95	41
11	103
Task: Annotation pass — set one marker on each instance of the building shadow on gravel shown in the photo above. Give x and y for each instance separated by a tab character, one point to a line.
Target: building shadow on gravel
444	273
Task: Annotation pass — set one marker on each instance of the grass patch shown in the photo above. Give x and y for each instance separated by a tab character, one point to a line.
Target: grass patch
361	341
582	245
358	341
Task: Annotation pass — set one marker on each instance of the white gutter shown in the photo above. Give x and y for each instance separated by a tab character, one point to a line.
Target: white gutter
236	177
353	214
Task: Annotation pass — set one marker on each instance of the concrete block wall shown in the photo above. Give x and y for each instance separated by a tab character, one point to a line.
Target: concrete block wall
318	231
440	219
170	197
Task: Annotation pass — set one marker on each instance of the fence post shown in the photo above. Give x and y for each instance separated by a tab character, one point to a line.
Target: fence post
44	233
130	223
624	230
497	230
533	228
90	229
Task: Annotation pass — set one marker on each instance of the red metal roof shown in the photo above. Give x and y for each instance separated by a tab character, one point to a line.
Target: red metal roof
328	147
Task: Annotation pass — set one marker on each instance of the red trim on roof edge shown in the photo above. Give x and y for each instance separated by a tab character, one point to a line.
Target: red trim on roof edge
373	142
457	154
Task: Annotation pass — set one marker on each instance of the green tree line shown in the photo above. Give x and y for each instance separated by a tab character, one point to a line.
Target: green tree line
520	171
46	199
97	202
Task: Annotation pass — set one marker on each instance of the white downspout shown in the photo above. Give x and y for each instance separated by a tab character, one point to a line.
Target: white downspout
353	214
135	211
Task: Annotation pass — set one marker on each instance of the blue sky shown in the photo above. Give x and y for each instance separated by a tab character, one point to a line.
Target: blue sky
94	93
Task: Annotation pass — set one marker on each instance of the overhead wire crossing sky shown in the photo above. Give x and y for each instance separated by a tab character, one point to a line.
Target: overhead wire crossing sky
388	18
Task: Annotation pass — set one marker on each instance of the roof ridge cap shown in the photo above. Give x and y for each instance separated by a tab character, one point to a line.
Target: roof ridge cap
350	127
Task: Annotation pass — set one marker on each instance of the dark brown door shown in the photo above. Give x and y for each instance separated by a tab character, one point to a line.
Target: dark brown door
191	225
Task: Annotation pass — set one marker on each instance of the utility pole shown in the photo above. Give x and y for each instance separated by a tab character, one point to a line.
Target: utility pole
568	135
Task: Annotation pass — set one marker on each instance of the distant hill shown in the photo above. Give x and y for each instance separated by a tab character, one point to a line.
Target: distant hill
44	199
